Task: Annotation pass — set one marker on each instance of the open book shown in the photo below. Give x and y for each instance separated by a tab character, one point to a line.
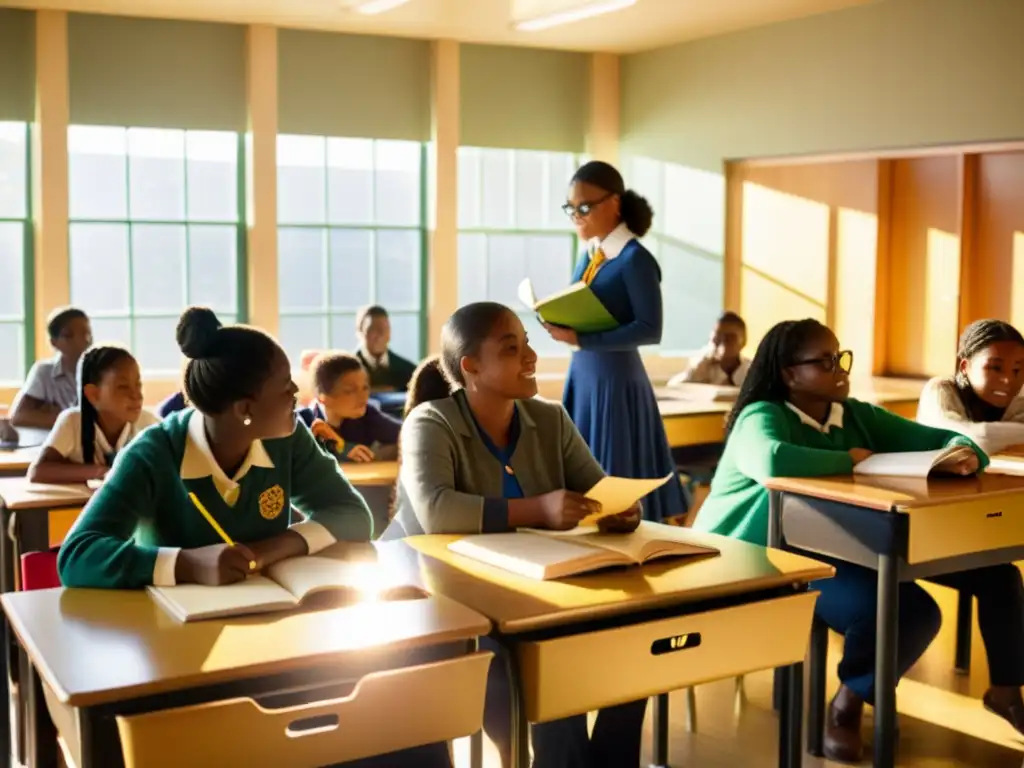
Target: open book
576	307
910	463
547	555
288	584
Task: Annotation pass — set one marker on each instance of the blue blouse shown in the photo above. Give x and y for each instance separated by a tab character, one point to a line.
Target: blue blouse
510	488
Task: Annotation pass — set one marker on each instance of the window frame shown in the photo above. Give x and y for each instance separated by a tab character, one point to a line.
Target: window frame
27	321
422	228
241	313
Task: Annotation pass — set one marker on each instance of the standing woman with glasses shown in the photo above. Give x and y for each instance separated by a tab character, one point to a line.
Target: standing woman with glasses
608	393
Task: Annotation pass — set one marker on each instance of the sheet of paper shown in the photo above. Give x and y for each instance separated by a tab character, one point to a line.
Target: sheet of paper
617	494
526	294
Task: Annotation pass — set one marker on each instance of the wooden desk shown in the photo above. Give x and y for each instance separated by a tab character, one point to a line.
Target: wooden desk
97	655
578	644
16	463
905	529
371	473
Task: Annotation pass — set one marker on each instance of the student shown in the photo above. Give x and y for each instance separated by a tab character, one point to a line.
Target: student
171	404
428	383
342	416
722	362
982	400
240	452
490	458
87	437
50	385
388	372
793	419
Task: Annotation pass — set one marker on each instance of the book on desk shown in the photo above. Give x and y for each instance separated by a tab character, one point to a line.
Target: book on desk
910	463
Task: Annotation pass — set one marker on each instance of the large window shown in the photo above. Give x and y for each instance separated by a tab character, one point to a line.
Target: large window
155	227
688	239
351	232
511	226
15	287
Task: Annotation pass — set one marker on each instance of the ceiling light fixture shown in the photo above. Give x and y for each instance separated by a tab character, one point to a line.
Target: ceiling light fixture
567	13
371	7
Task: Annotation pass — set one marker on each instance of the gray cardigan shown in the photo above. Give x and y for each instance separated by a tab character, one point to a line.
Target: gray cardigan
451	483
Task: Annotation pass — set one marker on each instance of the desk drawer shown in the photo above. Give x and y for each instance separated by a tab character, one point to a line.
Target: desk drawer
387	711
963	529
580	673
699	429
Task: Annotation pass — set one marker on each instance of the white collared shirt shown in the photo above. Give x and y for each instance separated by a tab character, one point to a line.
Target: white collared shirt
375	362
835	418
198	462
614	242
66	436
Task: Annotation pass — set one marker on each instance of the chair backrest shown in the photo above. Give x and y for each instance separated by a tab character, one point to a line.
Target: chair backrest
39	570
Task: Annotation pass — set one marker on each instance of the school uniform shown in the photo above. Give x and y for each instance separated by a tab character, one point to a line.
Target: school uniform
607	392
454	479
49	382
771	439
66	437
372	427
942	406
707	370
389	371
171	404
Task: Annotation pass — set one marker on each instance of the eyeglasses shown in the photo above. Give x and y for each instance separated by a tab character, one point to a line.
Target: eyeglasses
842	361
583	209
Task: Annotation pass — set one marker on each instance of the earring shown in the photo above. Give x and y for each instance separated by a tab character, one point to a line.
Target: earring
961	380
247	420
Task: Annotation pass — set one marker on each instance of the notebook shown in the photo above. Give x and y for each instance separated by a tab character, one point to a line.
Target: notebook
576	307
285	585
910	463
618	494
546	555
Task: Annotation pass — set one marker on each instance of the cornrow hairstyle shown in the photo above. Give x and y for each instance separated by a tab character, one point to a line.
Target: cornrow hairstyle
463	334
777	350
91	367
329	367
976	337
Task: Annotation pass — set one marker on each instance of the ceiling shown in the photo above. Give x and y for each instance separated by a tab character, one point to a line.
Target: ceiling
648	24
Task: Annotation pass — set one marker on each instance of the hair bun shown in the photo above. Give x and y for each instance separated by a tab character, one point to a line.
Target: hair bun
197	331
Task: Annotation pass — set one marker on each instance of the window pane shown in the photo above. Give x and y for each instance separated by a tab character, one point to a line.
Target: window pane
13	154
156	174
470	195
212	168
398	269
531	184
397	187
12	342
695	204
647	177
297	334
540	339
472	268
97	172
155	347
692	285
301	180
350	181
99	267
12	271
343	330
302	269
506	268
350	254
549	260
405	336
107	330
561	167
158	267
213	267
496	180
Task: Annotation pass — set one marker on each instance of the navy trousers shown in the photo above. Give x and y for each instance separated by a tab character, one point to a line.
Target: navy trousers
565	743
848	606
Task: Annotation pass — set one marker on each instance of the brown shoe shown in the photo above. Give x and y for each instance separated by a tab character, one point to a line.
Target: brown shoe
843	742
1007	703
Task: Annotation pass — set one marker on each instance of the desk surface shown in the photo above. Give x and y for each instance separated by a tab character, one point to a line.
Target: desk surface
371	472
97	646
904	494
19	459
519	604
17	494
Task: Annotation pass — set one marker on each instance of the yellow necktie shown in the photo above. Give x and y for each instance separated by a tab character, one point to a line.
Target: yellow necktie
595	264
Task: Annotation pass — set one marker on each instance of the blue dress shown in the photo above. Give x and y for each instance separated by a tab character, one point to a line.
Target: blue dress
608	393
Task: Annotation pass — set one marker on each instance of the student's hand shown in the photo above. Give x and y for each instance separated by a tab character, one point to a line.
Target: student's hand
282	546
214	565
360	453
564	335
858	455
323	431
964	466
627	522
562	510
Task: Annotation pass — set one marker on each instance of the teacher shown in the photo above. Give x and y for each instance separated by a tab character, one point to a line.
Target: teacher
608	393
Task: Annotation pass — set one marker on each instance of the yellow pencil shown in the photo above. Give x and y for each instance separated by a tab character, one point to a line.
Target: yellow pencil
216	526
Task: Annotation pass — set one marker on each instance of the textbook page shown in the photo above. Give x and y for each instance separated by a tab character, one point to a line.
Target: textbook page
909	463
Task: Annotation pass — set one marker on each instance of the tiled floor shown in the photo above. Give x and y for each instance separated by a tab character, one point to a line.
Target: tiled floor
942	721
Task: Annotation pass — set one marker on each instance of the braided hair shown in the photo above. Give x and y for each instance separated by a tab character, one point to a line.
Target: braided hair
777	350
91	368
976	337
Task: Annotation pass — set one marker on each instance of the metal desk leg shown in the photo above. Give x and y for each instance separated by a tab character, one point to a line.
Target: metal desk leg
816	688
660	731
775	542
964	621
782	692
885	661
476	750
519	733
41	736
11	730
791	717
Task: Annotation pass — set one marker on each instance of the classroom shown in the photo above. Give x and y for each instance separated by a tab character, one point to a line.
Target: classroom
370	184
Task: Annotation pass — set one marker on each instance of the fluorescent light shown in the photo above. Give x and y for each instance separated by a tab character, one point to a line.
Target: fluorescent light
568	16
370	7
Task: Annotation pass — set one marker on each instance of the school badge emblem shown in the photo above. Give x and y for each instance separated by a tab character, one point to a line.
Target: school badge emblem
272	502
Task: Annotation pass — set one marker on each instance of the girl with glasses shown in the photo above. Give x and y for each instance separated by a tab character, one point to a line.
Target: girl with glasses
793	418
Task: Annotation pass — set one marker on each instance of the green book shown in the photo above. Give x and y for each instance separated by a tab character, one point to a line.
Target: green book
576	307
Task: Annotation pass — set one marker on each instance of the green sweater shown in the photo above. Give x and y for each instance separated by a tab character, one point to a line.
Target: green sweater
770	440
144	505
